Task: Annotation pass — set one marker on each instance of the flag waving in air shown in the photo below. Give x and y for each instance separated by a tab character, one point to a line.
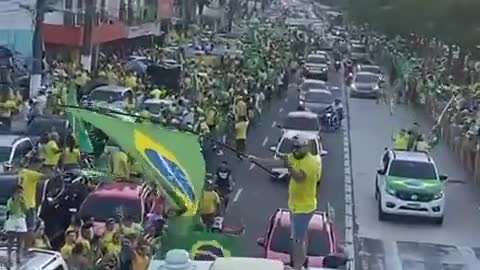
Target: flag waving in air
171	158
78	126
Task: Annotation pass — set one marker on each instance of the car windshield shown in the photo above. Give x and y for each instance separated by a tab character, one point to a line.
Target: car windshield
366	78
359	50
412	169
107	96
313	85
318	244
5	153
375	70
101	208
316	60
286	146
301	123
41	126
154	108
8	187
319	97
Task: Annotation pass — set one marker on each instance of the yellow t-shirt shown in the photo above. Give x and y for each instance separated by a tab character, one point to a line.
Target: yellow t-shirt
71	157
241	108
211	117
241	130
302	196
29	179
120	166
85	243
156	93
209	203
52	153
107	237
66	250
40	243
131	82
113	249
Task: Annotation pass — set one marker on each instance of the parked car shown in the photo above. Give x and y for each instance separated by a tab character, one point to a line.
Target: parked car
118	198
277	240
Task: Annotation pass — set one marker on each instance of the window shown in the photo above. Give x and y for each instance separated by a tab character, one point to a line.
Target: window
302	123
313	85
319	97
286	146
318	241
107	96
359	50
412	169
102	208
22	150
60	267
317	60
5	153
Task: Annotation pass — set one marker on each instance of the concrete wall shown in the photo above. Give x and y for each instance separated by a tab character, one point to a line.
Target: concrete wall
16	26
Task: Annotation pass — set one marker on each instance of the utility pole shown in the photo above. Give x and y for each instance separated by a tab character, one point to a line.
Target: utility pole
90	15
37	49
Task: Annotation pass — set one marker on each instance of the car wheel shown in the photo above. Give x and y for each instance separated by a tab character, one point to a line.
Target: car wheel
381	215
438	221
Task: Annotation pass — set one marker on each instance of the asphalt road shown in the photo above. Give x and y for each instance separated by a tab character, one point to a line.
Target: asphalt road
257	196
408	244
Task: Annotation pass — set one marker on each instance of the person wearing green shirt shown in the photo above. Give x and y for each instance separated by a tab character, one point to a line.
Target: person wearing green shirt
16	224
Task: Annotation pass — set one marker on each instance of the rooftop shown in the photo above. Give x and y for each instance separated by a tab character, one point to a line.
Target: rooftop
412	156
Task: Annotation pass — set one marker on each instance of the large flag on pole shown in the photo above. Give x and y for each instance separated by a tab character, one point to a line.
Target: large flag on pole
171	158
78	126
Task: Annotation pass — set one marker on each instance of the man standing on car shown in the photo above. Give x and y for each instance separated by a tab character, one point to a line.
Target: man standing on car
302	196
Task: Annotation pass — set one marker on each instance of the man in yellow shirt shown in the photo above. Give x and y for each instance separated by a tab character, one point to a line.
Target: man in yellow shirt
209	205
52	152
28	179
241	128
401	140
120	166
241	108
302	196
66	250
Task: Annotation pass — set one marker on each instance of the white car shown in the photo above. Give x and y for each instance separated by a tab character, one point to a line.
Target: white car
111	94
180	260
408	183
301	121
12	149
285	146
36	259
157	106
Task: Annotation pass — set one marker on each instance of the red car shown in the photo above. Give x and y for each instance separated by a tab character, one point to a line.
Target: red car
321	238
120	198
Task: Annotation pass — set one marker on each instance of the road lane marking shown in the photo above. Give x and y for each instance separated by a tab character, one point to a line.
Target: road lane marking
265	141
237	195
280	110
274	124
349	203
251	166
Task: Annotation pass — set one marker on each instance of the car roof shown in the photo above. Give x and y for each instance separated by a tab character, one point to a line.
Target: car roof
315	90
122	189
302	114
412	156
35	258
319	219
367	73
357	45
112	88
316	55
369	66
158	101
9	140
314	81
289	134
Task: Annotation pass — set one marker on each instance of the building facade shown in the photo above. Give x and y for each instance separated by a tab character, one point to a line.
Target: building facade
16	25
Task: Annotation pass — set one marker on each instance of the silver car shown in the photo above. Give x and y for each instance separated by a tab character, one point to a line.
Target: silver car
372	69
365	84
309	84
317	101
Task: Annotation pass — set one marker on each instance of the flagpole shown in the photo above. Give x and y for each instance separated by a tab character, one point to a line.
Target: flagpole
108	112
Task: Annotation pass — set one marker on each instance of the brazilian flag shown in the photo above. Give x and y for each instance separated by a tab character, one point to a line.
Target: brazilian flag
202	245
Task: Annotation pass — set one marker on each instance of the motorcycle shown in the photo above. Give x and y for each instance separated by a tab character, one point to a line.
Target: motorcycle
331	120
338	65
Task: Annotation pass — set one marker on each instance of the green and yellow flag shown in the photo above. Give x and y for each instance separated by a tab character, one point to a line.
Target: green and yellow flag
78	127
202	245
171	158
